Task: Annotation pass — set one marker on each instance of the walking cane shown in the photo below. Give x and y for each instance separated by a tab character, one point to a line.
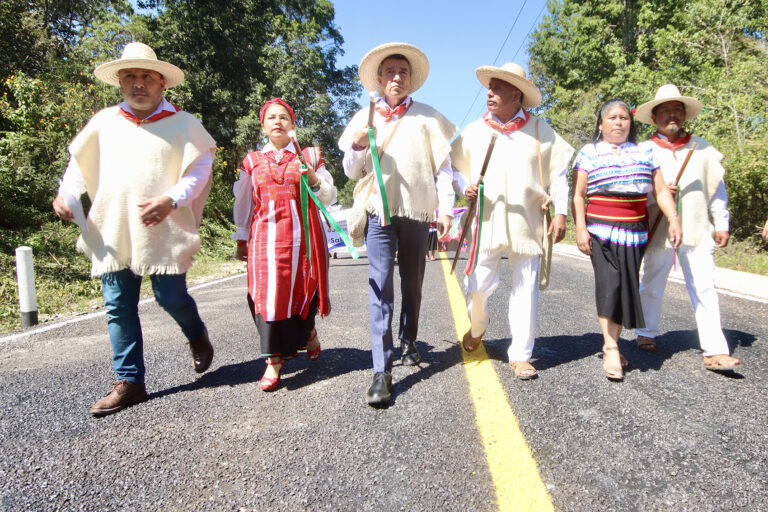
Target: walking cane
471	210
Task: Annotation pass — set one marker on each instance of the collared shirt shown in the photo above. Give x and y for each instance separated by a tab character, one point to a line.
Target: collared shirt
718	204
187	189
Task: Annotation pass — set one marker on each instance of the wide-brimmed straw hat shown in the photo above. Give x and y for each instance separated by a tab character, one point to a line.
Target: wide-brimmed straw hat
141	56
668	92
369	66
512	74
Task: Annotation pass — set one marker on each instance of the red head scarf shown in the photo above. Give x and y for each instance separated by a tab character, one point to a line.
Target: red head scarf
279	101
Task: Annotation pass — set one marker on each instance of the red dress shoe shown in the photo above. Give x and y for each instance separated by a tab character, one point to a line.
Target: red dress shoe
270	383
313	354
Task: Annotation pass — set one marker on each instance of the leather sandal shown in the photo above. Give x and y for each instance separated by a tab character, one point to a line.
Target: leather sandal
469	342
523	370
645	343
612	371
721	362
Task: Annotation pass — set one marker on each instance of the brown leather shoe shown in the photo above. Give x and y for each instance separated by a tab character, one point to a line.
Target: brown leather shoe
471	343
123	394
202	352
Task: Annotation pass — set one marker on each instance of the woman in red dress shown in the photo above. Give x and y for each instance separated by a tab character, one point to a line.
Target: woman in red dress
286	287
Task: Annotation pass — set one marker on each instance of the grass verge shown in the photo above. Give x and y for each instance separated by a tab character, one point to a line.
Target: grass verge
62	274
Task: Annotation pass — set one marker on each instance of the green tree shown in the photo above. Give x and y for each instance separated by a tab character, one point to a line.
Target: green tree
585	52
239	54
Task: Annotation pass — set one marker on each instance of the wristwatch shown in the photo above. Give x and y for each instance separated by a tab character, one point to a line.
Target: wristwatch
174	204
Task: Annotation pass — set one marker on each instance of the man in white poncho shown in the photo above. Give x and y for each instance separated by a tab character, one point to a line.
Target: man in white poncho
528	159
146	167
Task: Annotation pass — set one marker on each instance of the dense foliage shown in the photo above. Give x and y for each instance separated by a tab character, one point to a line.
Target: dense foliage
236	55
584	52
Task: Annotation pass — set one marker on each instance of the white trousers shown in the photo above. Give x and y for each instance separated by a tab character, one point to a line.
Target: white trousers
523	299
698	265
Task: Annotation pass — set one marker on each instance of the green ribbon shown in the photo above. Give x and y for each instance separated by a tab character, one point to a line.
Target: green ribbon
306	193
379	178
480	194
304	218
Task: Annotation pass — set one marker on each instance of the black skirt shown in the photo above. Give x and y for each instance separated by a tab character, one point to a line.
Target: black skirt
284	338
617	276
431	239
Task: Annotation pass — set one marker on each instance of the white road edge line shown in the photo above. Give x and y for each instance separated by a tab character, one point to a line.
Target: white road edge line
82	318
677	280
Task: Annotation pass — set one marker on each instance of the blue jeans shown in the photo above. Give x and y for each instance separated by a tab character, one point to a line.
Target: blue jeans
409	239
121	297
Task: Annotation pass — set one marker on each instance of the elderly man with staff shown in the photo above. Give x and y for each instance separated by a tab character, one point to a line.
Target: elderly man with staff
692	170
146	167
520	158
400	148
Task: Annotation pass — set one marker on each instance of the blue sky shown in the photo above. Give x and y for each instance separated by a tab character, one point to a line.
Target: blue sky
456	36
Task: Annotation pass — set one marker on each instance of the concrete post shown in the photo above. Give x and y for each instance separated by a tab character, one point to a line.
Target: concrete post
25	275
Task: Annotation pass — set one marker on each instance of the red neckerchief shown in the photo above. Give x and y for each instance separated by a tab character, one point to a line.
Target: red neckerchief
389	112
510	126
154	117
679	142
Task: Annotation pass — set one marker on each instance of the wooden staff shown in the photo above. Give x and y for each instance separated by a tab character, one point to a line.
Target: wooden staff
677	180
372	109
299	152
473	204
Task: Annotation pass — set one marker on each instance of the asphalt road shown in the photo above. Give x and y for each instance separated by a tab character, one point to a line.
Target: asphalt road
672	436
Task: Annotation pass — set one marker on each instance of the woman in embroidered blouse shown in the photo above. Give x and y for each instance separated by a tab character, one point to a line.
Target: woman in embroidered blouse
613	177
286	289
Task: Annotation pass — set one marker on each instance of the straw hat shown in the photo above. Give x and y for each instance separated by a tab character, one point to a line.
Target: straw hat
669	92
141	56
512	74
369	66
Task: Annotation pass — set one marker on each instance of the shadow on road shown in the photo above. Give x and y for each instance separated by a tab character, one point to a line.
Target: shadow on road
334	362
552	351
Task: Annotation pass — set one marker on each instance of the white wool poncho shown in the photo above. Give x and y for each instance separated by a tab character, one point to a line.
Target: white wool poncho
124	164
514	194
410	161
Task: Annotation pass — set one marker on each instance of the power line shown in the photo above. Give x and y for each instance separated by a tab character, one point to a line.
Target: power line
510	31
471	106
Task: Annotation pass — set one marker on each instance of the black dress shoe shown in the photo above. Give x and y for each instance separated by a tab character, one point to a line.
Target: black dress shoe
380	391
410	354
202	352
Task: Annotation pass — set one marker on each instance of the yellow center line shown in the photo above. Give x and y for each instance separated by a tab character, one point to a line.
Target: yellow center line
512	467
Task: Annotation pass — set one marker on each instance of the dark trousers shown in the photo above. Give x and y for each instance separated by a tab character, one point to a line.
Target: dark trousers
409	239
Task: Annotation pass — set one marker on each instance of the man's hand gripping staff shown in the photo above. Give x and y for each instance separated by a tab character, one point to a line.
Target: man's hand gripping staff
471	212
